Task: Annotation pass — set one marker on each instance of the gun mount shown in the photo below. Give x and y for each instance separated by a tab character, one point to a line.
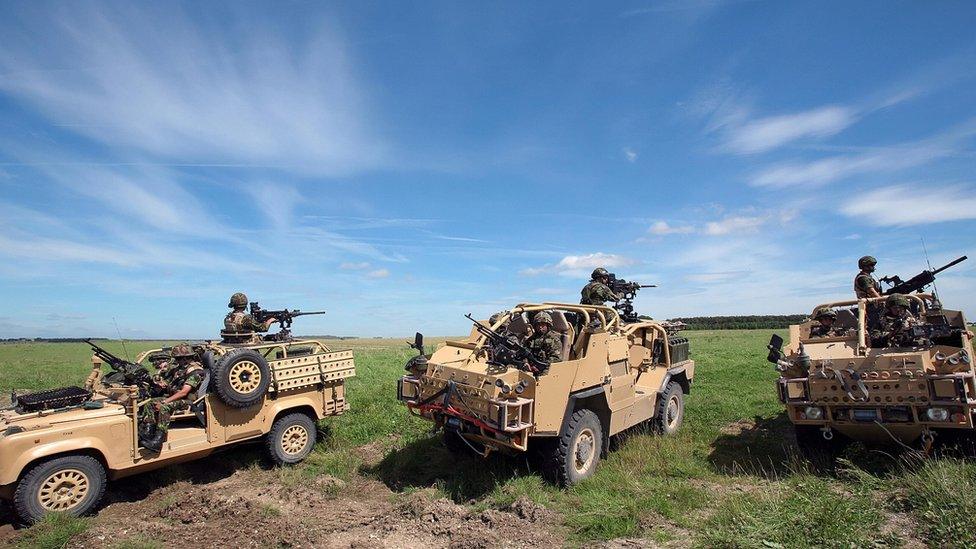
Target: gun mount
627	291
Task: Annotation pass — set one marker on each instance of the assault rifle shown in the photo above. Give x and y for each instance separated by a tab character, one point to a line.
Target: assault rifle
627	291
284	317
508	350
917	282
125	372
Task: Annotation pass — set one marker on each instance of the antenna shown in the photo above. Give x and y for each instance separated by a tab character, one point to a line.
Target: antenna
119	332
935	289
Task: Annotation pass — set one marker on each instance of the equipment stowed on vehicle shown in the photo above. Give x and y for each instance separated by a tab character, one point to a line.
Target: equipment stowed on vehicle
58	448
487	394
859	386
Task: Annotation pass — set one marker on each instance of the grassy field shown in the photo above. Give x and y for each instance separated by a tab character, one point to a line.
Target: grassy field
729	479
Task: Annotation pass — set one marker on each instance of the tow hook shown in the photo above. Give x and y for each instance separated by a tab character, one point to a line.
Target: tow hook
928	438
827	433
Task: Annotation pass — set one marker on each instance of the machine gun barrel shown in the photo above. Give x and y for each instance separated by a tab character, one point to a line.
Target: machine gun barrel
115	362
919	281
514	352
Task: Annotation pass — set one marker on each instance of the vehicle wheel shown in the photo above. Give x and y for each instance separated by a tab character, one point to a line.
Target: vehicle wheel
291	439
670	411
820	452
70	484
242	377
576	454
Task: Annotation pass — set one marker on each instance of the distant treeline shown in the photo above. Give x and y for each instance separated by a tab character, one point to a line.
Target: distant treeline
51	339
745	322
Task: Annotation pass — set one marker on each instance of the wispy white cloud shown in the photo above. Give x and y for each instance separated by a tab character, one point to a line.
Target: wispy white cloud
348	266
661	228
734	224
579	265
378	273
152	82
276	202
899	205
630	154
765	134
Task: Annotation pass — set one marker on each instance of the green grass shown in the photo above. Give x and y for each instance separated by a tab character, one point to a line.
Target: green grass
728	479
54	532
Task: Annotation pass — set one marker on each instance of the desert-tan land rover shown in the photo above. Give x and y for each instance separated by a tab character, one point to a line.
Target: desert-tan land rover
854	385
58	447
612	376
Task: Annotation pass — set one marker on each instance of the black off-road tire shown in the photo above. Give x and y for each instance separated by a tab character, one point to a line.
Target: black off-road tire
69	484
670	412
576	453
291	439
241	378
818	451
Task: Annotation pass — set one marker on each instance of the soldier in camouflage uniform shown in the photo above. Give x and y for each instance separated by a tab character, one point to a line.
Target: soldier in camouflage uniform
179	378
239	322
825	327
897	322
545	344
864	283
596	291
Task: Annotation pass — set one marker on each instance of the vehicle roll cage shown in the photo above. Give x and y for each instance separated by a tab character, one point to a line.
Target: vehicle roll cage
862	307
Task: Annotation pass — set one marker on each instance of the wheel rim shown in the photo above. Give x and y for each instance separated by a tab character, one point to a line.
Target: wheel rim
245	376
583	452
294	440
63	490
673	412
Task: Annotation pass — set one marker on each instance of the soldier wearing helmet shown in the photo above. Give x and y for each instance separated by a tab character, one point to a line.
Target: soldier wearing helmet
239	322
179	379
596	291
824	327
545	344
864	283
897	321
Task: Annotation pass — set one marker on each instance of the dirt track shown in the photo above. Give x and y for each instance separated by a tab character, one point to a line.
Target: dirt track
219	502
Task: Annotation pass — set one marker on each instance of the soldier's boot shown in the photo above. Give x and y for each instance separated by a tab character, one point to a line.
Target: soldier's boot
155	443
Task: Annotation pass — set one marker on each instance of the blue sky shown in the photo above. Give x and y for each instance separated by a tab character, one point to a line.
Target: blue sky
401	165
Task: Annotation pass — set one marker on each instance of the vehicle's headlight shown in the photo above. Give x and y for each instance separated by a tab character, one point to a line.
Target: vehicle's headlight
937	414
813	412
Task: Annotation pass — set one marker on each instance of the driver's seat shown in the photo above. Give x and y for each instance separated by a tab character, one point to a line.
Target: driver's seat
566	333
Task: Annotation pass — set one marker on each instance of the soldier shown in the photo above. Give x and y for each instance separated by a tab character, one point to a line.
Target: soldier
596	291
864	283
897	322
239	322
825	317
545	344
178	378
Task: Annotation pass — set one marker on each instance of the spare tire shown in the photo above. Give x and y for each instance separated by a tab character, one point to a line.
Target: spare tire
241	377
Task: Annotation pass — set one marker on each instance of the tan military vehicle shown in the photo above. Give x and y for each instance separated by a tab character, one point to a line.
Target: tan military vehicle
855	385
487	396
58	447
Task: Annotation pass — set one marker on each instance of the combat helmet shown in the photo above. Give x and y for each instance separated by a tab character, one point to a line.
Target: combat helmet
238	300
897	300
825	312
181	350
542	317
866	261
599	272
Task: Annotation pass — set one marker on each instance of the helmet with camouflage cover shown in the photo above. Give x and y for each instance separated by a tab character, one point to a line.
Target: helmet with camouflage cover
599	272
825	312
542	317
181	350
238	300
897	300
866	262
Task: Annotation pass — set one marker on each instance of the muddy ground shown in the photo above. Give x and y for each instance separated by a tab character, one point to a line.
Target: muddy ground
230	500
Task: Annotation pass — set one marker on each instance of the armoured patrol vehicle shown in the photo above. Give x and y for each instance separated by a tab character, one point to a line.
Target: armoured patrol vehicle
857	385
58	447
613	375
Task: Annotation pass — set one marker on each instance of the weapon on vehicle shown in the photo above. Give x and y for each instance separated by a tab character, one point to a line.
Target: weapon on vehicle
508	350
627	292
917	282
285	318
127	373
